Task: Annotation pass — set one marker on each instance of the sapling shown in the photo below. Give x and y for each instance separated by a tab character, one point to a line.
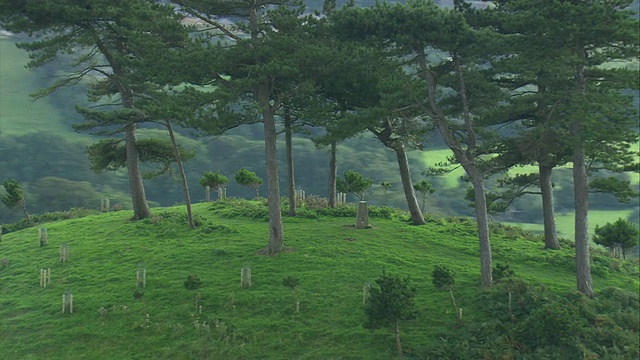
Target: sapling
192	282
444	278
138	294
389	302
292	282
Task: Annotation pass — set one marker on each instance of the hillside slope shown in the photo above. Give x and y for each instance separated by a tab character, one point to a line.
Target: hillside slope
331	260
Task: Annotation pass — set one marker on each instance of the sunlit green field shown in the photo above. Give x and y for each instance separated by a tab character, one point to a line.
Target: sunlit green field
331	259
565	221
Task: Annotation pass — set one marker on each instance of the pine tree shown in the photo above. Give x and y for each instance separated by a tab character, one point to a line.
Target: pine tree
563	48
109	41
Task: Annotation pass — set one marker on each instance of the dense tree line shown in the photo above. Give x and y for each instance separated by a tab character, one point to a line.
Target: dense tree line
536	69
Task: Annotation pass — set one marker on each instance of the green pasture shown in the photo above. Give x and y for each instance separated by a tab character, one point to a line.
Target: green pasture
565	221
331	259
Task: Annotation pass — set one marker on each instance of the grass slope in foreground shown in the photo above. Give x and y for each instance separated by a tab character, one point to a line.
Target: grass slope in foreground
331	260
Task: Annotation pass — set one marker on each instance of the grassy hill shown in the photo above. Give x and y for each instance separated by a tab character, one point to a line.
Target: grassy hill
331	260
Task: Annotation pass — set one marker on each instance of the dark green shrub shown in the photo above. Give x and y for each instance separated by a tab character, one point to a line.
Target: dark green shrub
501	271
443	277
389	302
314	202
138	294
552	324
192	282
290	282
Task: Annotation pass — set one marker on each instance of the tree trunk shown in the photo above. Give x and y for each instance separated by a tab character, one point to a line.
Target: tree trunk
138	198
276	242
409	192
581	196
581	199
398	343
465	157
550	232
290	169
333	175
183	176
482	218
136	186
26	213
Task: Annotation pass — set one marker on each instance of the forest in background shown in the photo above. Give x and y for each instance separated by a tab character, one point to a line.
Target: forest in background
49	159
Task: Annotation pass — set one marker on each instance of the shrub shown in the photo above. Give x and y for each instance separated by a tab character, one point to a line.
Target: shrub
443	277
314	202
290	282
390	302
192	282
501	272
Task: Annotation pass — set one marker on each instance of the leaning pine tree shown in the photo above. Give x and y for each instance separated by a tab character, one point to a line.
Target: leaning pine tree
108	40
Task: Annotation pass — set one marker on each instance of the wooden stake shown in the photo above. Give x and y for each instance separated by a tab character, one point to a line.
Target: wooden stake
141	277
64	253
42	237
365	292
245	276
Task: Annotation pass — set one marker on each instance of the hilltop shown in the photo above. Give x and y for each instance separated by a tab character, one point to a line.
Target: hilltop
332	262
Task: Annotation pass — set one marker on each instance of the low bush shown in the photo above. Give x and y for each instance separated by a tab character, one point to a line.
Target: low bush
529	322
74	213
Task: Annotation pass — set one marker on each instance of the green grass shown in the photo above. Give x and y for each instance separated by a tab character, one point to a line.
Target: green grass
331	259
565	221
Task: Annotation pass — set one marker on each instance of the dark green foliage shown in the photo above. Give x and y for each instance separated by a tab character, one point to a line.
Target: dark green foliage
622	232
233	207
214	180
385	186
192	282
315	202
291	282
619	188
353	183
248	178
171	222
502	271
552	324
45	218
111	155
138	294
13	196
443	277
542	325
425	188
390	301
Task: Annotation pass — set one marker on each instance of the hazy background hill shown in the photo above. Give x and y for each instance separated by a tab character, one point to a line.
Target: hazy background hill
39	149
